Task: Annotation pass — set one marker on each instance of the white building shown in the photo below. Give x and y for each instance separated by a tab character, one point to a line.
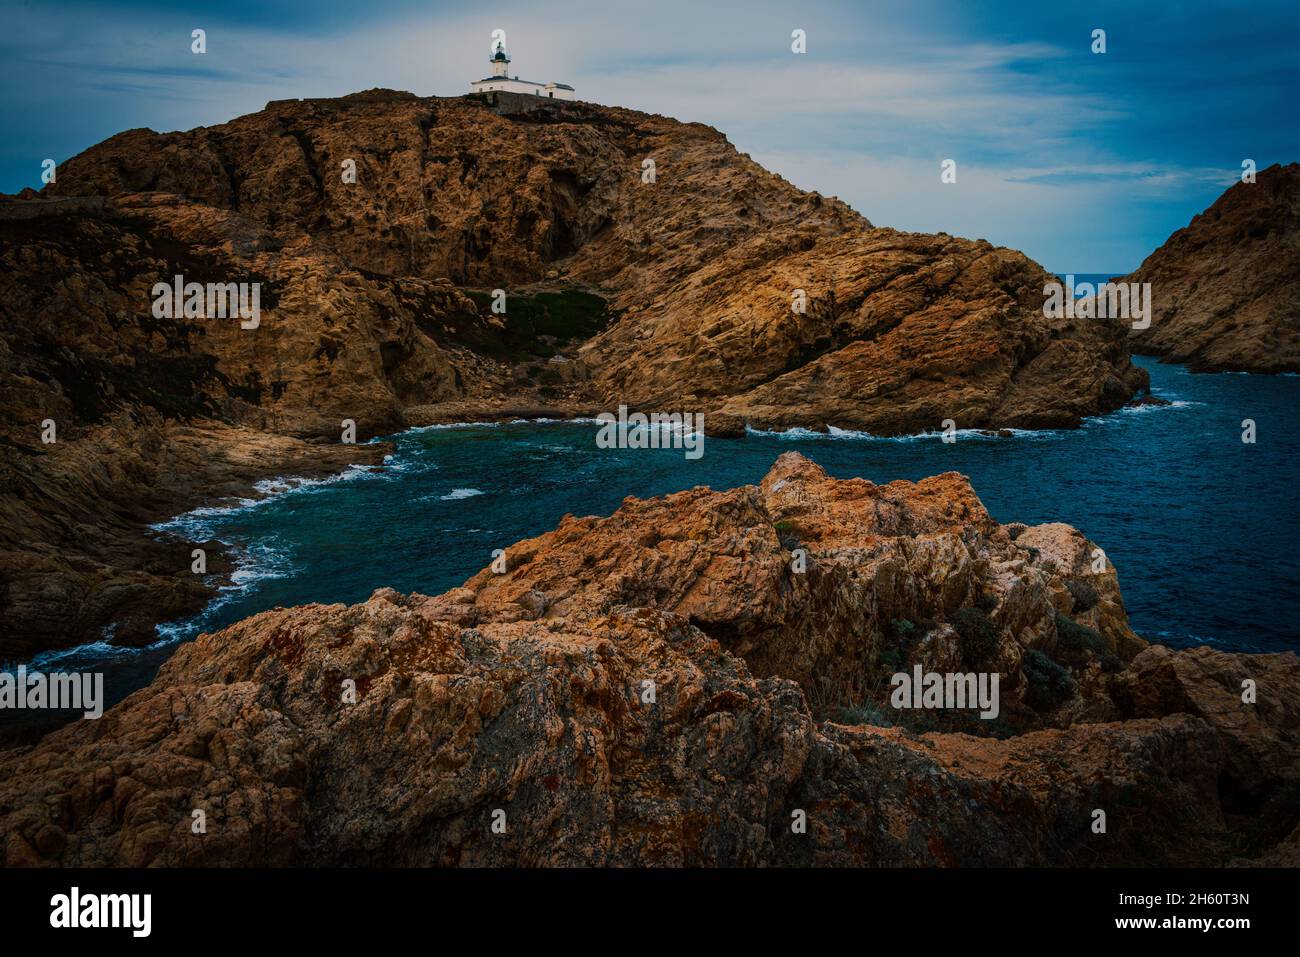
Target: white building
501	80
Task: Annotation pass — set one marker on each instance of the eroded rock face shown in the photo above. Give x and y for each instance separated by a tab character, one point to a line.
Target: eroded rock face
1262	736
600	695
83	337
1224	288
73	555
902	331
916	571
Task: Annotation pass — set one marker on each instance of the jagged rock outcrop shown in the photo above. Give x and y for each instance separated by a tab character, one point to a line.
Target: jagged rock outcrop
1261	775
644	689
1225	289
74	558
917	569
82	337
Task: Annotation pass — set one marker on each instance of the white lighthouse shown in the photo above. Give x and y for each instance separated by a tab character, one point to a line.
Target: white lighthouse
500	61
502	81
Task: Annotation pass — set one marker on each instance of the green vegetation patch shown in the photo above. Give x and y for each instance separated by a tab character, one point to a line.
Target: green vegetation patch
1075	639
979	636
1049	685
562	317
1084	595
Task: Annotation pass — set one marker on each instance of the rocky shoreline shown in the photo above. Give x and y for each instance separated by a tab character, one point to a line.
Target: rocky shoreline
88	566
673	685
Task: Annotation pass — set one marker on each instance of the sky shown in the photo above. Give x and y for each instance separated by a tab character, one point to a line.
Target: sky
1085	161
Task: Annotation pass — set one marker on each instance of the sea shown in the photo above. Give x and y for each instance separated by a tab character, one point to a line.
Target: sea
1202	527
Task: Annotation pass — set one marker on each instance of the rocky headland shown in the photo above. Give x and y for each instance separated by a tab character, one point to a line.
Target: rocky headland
699	268
678	684
1225	289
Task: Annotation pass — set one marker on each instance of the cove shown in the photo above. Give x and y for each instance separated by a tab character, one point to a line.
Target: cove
1201	527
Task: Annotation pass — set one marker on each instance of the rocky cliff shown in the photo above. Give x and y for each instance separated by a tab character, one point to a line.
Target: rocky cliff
1225	289
666	687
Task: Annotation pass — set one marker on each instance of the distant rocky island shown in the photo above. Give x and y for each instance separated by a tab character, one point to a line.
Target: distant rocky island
1226	295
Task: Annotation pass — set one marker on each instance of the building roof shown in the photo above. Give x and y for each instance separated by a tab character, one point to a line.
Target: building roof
514	79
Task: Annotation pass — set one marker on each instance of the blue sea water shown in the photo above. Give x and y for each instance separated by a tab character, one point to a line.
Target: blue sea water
1202	527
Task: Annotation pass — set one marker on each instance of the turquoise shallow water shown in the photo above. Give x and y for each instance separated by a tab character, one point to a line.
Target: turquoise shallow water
1202	528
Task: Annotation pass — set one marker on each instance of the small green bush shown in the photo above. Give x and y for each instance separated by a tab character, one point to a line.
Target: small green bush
1049	685
979	636
1084	595
900	639
1074	639
789	534
534	324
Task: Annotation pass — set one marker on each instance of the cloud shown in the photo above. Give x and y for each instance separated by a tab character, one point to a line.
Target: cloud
1137	176
1086	162
1080	226
196	70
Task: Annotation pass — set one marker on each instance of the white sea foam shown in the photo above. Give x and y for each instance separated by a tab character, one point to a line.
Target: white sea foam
1140	409
255	563
437	427
260	561
832	433
457	493
196	524
1178	639
91	653
795	433
1119	415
